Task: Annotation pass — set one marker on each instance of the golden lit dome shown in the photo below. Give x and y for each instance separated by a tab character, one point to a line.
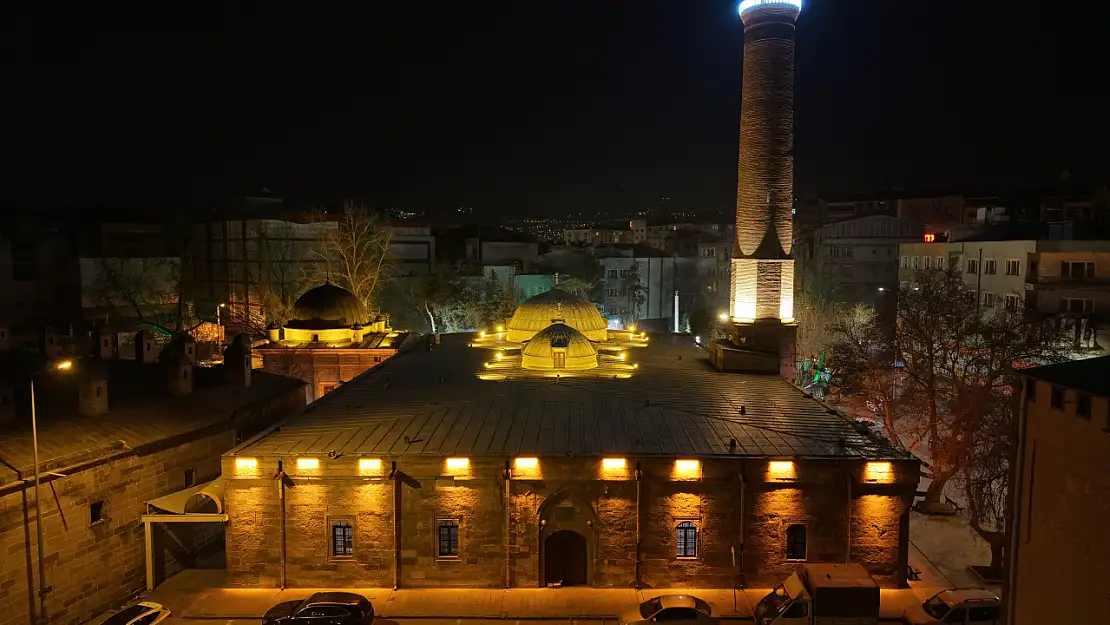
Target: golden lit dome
542	310
558	346
326	307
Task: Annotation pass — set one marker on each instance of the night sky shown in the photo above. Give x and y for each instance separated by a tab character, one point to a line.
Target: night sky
526	108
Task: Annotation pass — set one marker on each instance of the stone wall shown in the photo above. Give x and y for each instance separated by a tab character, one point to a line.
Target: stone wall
561	494
93	566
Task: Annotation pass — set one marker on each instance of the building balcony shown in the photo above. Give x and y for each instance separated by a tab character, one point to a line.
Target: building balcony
1096	283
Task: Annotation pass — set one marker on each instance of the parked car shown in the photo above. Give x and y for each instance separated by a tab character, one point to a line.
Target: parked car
322	608
966	606
142	613
678	609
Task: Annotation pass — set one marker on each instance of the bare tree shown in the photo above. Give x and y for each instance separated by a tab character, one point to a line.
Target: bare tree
816	322
944	374
355	255
151	291
278	272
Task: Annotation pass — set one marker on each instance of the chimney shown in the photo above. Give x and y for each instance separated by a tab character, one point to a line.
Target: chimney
187	345
92	390
237	361
48	342
179	373
5	337
273	333
107	344
144	347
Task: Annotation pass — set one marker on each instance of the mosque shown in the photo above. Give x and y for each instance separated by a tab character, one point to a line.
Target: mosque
550	451
329	340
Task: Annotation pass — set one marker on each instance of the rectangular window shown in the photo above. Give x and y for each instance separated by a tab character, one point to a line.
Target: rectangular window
940	262
926	263
190	476
989	267
612	273
796	542
988	300
1077	269
447	539
342	538
612	292
1013	267
972	265
96	512
916	262
1083	406
904	262
1013	302
1057	397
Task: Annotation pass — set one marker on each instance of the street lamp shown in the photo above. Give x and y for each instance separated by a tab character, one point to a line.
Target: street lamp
63	365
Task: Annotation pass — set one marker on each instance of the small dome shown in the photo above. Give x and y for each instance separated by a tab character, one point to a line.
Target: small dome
542	310
326	307
558	346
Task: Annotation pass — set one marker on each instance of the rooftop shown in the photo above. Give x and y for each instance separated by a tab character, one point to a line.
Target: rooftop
1087	375
433	403
140	412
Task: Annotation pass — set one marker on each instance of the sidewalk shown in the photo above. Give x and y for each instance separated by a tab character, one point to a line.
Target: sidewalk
198	595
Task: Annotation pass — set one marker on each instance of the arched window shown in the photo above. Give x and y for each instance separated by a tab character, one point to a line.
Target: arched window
686	540
796	542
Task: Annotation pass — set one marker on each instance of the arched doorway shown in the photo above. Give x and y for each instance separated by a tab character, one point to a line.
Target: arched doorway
565	558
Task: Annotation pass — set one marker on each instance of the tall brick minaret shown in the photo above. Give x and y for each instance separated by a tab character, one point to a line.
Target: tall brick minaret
762	290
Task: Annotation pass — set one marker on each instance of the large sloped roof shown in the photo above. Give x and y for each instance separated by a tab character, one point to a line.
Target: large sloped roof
431	402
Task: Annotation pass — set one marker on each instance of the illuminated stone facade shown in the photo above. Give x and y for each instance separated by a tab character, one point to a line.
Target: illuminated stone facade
746	518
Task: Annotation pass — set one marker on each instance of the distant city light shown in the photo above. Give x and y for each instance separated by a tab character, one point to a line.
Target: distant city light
747	5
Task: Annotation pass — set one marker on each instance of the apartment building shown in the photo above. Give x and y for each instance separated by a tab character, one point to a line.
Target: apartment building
1059	546
1068	280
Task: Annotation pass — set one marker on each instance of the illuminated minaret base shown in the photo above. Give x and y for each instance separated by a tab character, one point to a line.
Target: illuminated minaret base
762	286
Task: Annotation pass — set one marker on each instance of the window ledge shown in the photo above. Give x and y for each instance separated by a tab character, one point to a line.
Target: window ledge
448	559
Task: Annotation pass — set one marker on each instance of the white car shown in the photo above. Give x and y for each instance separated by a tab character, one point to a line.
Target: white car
142	613
966	606
679	609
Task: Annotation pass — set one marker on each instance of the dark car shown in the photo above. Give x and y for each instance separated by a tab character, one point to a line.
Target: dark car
322	608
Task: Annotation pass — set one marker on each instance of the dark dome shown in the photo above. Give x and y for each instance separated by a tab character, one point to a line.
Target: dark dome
326	307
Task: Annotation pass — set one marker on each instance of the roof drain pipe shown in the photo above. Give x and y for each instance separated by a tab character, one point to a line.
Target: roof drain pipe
281	500
639	474
396	525
848	547
508	526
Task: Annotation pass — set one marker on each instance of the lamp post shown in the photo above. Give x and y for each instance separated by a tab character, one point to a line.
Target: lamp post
219	326
63	365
